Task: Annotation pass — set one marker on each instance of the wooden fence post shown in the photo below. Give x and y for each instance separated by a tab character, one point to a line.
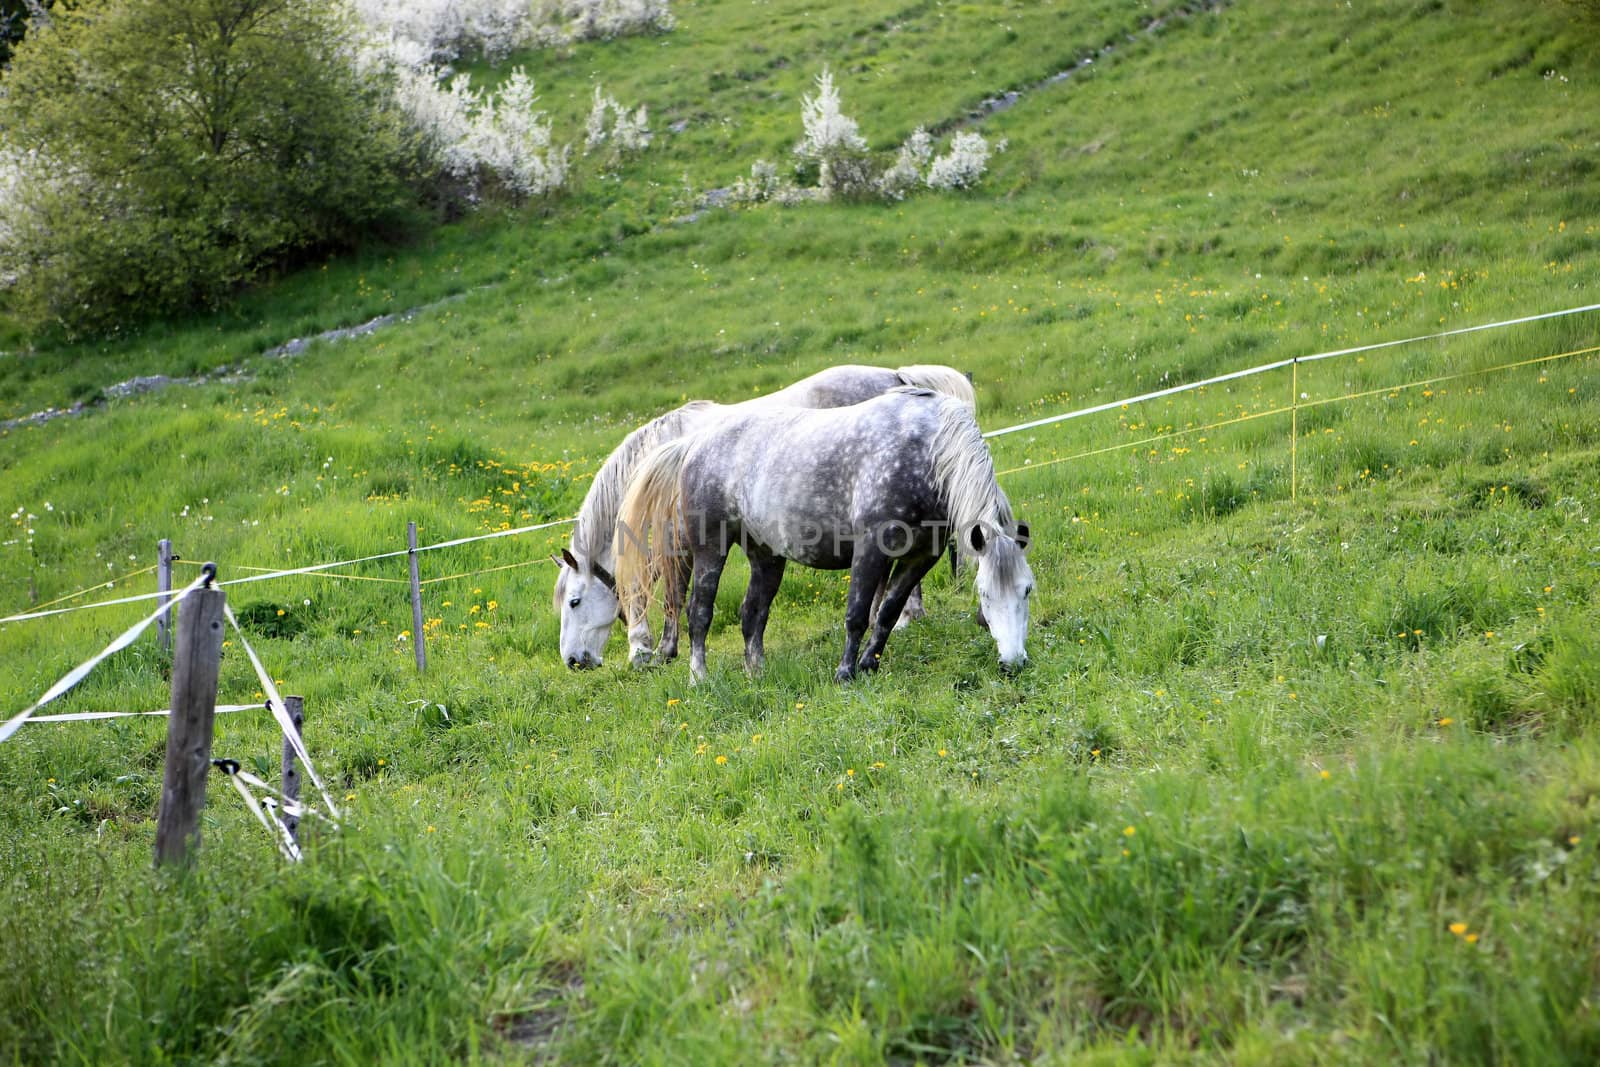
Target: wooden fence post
195	664
164	585
296	707
416	601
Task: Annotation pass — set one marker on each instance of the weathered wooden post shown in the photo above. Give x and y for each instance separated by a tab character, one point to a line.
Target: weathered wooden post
416	601
164	585
195	663
296	707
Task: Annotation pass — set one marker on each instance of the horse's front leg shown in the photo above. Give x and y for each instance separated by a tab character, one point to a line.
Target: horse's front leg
708	564
766	574
867	570
908	574
637	618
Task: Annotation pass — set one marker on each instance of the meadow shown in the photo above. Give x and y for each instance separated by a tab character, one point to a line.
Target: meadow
1305	767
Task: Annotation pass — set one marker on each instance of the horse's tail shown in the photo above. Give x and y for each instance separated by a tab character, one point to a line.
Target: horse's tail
940	379
647	539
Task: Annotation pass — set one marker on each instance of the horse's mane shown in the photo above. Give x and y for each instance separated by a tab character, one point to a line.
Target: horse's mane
597	519
964	473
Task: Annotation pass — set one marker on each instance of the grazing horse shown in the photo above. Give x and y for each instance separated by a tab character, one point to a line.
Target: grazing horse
877	487
585	591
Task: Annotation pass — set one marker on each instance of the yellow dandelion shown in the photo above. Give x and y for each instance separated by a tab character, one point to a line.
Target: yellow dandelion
721	760
430	829
673	702
1128	831
1327	774
1471	939
1446	721
1458	928
943	752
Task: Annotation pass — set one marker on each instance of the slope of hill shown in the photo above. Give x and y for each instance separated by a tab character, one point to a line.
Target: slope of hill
1304	767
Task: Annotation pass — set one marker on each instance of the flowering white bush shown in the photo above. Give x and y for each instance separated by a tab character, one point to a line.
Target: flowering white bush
442	30
439	31
628	132
12	179
963	165
909	165
763	184
585	20
832	139
473	136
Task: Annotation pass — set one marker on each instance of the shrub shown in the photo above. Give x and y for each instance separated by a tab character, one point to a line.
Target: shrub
832	142
157	153
834	153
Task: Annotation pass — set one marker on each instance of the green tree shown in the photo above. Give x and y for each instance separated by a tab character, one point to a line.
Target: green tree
162	152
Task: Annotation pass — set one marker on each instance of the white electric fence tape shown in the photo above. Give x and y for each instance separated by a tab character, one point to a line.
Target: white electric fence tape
1278	365
287	847
80	716
291	572
280	711
80	672
290	807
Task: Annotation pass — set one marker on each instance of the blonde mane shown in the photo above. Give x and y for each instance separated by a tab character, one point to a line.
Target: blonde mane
597	519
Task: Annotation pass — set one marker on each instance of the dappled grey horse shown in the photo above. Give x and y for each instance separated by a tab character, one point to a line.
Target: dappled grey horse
585	590
879	487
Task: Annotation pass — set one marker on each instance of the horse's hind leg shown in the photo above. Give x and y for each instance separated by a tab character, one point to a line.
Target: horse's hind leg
866	572
913	609
708	564
766	574
908	573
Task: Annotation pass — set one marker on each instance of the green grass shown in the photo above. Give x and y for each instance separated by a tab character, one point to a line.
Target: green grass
1288	722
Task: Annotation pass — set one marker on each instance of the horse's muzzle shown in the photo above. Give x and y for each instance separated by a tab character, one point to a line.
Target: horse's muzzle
585	662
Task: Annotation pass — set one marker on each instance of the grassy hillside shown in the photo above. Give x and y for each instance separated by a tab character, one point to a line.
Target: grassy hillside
1305	766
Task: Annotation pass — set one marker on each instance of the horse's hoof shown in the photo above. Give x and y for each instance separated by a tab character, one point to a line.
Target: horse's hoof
869	666
844	674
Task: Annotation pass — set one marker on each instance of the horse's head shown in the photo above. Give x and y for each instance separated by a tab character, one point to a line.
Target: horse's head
586	596
1005	582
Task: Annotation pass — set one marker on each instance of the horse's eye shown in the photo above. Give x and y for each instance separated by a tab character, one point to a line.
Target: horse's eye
575	601
1028	591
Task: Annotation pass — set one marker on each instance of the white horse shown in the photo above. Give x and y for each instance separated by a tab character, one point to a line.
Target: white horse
585	591
883	485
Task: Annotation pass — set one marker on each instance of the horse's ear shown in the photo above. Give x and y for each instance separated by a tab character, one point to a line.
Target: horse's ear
975	537
557	560
1023	536
605	577
566	554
